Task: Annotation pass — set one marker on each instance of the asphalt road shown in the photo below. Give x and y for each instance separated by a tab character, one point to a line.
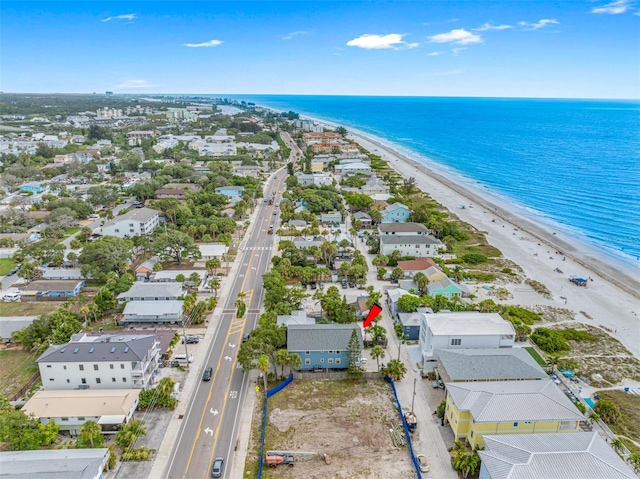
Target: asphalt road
209	427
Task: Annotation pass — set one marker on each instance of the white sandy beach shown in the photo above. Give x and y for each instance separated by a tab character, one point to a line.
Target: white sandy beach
612	299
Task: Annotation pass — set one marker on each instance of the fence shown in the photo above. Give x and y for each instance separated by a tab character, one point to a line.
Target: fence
333	375
268	394
406	428
26	387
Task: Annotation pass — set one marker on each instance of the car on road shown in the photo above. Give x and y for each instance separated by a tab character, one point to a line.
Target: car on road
275	212
190	340
207	374
245	338
216	470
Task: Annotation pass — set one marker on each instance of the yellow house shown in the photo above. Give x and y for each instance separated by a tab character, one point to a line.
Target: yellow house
476	409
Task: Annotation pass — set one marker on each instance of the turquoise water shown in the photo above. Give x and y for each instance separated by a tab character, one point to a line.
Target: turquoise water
576	163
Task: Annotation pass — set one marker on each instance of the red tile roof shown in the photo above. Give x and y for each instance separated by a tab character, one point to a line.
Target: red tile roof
418	264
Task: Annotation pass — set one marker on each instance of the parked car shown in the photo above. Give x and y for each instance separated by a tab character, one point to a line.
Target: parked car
344	284
190	339
352	284
207	374
437	384
422	462
216	470
313	285
12	296
183	358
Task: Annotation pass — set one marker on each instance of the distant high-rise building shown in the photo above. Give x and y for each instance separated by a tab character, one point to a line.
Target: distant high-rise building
109	93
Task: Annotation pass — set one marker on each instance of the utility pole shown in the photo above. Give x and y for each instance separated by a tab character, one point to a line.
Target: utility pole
413	399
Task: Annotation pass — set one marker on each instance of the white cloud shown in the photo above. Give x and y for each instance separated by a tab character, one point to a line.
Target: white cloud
379	42
614	8
210	43
127	84
433	54
458	36
295	34
456	51
127	16
539	24
488	26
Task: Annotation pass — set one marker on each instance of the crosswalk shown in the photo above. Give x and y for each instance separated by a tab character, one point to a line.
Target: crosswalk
258	248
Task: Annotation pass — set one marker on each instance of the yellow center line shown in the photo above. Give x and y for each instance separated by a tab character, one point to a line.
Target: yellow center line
220	359
224	405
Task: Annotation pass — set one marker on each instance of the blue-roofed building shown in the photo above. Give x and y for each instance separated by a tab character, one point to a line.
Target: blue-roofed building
395	213
230	191
322	345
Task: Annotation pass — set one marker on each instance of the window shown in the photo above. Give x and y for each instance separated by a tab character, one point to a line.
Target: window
330	360
131	225
338	360
64	418
110	366
83	381
113	380
117	230
48	365
97	380
81	366
122	366
124	380
307	353
95	367
68	381
322	360
330	352
307	361
337	352
471	433
81	419
64	367
131	230
51	379
456	342
515	424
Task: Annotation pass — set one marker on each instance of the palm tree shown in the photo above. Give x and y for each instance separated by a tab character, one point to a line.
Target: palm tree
617	445
263	366
396	369
165	387
214	284
422	281
91	431
377	353
282	358
240	305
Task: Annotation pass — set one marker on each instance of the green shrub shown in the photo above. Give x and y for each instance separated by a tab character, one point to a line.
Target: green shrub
139	454
474	258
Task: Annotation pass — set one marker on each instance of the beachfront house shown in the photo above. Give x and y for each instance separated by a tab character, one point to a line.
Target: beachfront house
322	345
410	245
140	291
402	229
101	362
544	455
395	213
474	409
462	330
507	364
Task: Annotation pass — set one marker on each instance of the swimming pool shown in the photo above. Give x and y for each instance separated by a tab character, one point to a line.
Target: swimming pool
589	401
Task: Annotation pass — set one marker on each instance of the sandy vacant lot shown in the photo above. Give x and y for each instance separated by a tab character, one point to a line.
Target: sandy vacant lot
348	420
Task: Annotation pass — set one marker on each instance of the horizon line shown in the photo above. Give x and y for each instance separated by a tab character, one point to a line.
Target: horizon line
325	95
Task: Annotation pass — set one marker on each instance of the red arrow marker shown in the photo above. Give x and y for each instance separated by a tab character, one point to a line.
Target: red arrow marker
373	313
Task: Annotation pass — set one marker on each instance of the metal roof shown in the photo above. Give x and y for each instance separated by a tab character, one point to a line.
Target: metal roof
54	464
99	348
138	214
468	323
141	289
513	401
402	227
577	455
82	402
408	239
487	364
153	308
321	337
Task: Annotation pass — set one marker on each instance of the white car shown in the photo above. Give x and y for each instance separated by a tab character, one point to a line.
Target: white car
12	296
363	360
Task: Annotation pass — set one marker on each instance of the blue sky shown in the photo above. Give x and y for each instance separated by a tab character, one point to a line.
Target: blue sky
566	49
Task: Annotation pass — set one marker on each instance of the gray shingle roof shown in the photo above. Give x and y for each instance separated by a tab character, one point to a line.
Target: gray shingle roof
138	214
125	348
487	364
551	456
507	401
321	337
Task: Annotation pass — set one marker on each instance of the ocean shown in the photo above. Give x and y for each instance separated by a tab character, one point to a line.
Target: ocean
573	164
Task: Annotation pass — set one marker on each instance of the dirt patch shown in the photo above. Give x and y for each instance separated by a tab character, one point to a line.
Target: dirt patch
347	420
16	368
29	308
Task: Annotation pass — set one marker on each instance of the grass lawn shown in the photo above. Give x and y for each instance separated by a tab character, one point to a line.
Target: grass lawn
16	368
28	309
534	354
70	231
6	265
